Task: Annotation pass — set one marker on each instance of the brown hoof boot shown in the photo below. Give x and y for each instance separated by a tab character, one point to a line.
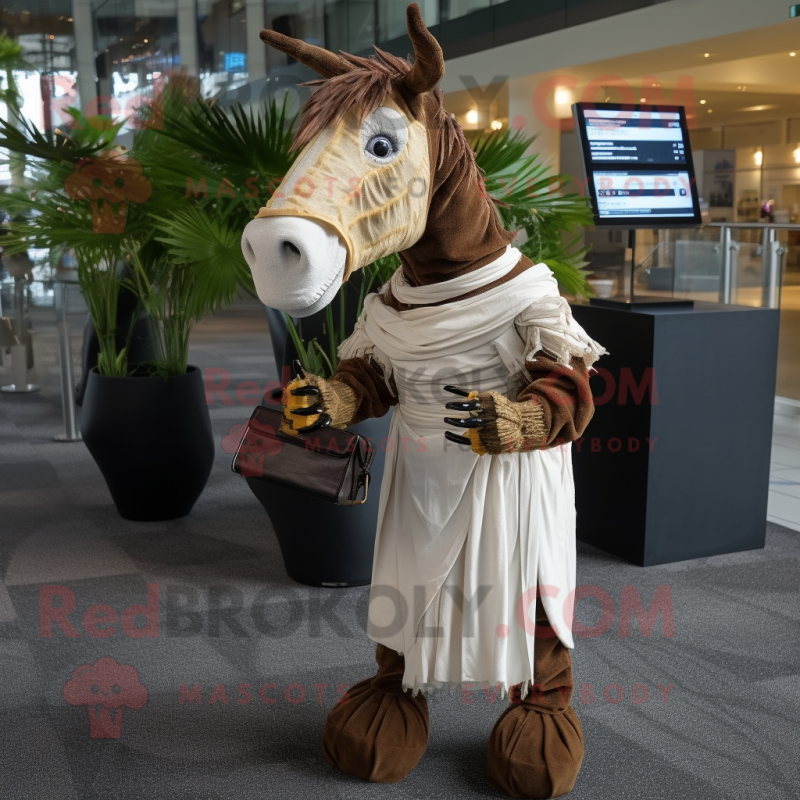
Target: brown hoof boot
536	747
535	754
378	732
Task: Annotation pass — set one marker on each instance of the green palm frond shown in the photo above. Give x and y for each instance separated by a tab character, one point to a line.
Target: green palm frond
10	60
209	170
214	252
532	200
247	150
249	140
24	138
11	55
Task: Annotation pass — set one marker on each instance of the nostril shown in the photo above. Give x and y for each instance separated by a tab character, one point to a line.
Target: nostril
291	248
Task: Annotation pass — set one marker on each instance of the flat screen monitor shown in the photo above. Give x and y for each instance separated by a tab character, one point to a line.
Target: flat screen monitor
637	165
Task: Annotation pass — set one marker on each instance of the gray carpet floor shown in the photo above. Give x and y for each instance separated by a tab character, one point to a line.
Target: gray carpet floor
729	726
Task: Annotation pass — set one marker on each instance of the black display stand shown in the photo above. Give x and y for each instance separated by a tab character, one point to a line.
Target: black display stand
699	486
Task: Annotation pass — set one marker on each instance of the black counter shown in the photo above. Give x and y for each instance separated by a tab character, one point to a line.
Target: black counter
675	463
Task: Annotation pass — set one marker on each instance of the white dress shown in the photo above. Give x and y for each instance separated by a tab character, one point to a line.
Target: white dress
464	540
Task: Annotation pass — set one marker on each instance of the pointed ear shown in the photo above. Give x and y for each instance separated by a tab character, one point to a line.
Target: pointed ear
322	61
428	67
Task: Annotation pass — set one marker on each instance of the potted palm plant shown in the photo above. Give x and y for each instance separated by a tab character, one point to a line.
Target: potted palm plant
128	222
228	162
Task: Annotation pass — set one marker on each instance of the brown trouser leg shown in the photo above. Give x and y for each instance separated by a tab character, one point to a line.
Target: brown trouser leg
379	732
536	747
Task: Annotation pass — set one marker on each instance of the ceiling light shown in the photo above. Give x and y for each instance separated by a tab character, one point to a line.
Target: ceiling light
496	125
642	99
145	40
758	157
562	96
702	102
706	55
472	116
792	54
710	111
796	155
757	108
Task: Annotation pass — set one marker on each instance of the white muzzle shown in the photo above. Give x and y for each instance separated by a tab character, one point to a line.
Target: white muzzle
297	264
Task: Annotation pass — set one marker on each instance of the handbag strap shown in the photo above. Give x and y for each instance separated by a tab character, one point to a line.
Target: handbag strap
363	476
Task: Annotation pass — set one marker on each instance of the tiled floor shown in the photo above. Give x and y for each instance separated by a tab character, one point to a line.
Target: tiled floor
784	479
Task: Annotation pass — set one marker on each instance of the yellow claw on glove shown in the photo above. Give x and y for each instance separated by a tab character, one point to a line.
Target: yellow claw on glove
333	403
291	402
495	424
473	434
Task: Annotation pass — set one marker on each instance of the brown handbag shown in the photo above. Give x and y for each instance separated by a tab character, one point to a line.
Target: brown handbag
327	463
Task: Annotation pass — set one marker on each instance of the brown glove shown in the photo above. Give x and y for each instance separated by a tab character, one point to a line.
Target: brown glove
312	402
496	425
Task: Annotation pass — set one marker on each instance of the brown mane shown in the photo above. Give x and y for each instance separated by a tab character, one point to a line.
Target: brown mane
366	86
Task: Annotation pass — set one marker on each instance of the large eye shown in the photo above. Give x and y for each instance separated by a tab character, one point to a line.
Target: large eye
384	134
380	146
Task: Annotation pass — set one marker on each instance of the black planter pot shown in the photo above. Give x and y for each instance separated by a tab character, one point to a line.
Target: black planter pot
324	544
140	348
151	439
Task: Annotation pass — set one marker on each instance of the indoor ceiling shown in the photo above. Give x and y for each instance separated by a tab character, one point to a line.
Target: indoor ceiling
745	77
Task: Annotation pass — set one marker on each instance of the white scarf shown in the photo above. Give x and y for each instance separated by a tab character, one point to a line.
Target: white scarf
447	290
543	318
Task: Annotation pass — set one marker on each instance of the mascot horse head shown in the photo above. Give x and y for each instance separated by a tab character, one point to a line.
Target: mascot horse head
382	169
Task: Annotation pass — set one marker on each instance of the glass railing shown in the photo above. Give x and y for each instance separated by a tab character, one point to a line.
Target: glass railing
741	263
744	263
